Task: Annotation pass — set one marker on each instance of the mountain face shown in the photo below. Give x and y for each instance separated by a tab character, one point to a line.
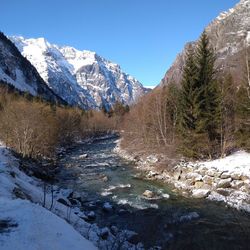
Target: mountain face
229	35
81	78
17	71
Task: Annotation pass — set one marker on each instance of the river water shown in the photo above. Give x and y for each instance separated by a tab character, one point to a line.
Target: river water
171	223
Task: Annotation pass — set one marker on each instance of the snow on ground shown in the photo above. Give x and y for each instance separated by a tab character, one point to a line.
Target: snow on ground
31	225
238	162
37	228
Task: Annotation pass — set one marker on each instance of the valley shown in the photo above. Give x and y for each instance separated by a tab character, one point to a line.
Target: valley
92	158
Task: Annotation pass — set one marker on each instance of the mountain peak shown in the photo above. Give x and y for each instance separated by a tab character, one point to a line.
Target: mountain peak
228	33
81	78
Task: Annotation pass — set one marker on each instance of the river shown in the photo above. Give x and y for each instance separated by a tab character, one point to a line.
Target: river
171	223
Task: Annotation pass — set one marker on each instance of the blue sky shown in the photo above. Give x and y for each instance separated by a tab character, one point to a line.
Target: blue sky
143	36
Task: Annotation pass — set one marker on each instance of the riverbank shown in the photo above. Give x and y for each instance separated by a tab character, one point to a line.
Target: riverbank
59	223
226	180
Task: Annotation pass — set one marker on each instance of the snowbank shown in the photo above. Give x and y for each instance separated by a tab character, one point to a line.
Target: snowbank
238	162
28	225
37	228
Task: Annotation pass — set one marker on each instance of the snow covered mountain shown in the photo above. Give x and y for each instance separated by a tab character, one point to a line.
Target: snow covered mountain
81	78
17	71
229	35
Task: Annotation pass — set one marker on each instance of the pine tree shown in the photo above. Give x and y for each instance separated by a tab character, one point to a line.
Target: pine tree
208	97
189	108
200	117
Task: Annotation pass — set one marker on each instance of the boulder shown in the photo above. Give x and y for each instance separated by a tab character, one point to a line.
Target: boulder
208	180
152	174
198	184
114	230
105	178
107	207
225	175
104	233
213	173
189	216
148	194
20	194
202	171
237	184
165	196
224	183
236	176
194	176
83	156
245	178
73	202
64	202
200	193
177	175
91	216
122	211
223	191
152	159
74	195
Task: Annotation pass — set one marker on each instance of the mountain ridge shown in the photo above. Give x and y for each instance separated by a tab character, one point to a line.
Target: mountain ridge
81	78
17	71
229	34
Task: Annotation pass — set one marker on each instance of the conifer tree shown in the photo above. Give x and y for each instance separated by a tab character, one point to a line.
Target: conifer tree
200	114
189	108
208	97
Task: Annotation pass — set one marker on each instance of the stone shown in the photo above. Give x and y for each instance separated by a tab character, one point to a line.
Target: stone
194	176
105	178
224	183
177	175
245	178
198	184
107	207
225	175
152	159
148	194
91	215
152	174
123	211
200	193
73	202
190	182
223	191
114	230
237	184
104	233
165	196
189	216
213	173
207	179
20	194
83	156
74	195
202	171
236	176
64	202
207	186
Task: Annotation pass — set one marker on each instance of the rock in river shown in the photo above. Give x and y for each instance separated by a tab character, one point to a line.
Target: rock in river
107	207
148	194
200	193
83	156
